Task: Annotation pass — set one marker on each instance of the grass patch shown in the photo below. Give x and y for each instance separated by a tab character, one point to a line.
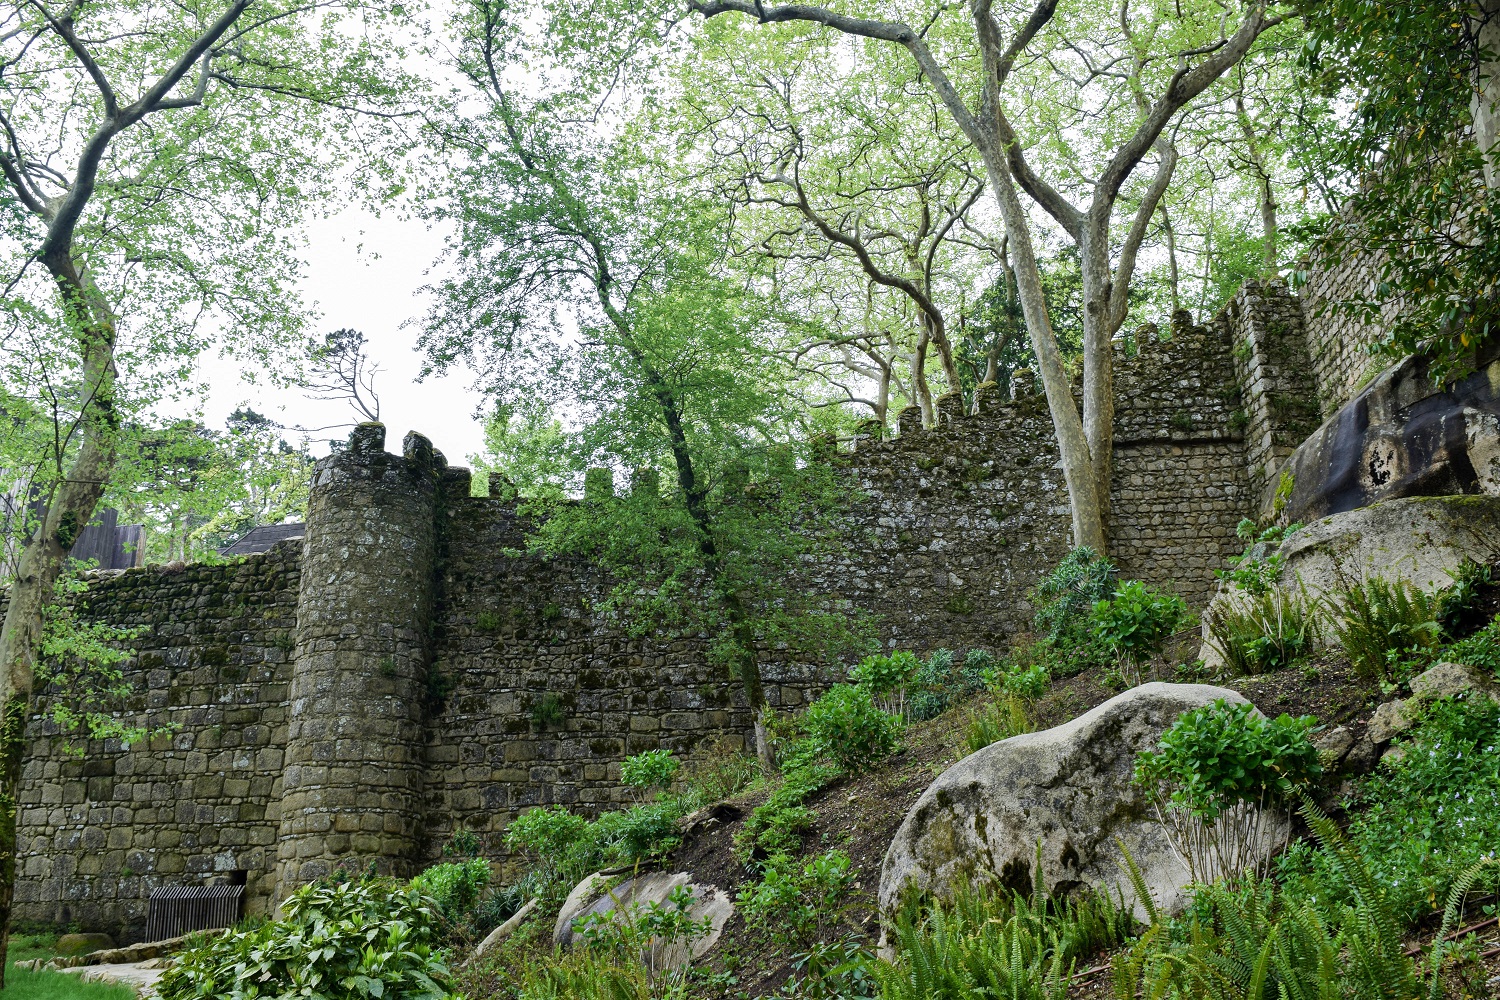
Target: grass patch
46	984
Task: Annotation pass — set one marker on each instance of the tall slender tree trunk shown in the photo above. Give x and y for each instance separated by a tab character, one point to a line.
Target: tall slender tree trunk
1485	104
919	381
69	508
1099	358
1072	442
1172	277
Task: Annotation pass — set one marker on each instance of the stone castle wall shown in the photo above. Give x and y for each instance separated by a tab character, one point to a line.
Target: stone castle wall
1339	345
368	691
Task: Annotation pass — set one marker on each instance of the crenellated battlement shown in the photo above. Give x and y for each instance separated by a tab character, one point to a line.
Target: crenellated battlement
408	669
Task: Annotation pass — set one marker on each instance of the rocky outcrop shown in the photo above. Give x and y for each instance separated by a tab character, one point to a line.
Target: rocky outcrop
601	894
1067	789
1445	680
1418	539
1404	435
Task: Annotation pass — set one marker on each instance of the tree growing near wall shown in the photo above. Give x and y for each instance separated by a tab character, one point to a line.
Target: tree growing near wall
1098	87
1421	163
670	366
153	156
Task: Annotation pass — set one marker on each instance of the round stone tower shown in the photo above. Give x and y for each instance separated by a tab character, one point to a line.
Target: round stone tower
352	786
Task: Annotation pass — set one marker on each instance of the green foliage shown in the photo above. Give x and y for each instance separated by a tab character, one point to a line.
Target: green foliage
648	931
1259	632
1386	628
1222	755
996	720
795	904
995	943
455	886
548	710
1136	622
1026	681
1459	611
1065	596
942	682
48	984
1215	778
1482	649
1259	566
653	770
887	677
1424	818
360	940
1406	71
846	726
776	826
545	832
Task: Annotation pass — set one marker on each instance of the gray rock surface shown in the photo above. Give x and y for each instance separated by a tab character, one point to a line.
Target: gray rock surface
595	894
1442	680
1418	539
1404	435
1067	788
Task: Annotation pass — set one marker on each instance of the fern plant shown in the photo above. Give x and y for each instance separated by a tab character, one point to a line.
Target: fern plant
1385	627
1257	633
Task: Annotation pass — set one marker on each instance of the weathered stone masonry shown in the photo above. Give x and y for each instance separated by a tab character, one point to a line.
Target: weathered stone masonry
367	691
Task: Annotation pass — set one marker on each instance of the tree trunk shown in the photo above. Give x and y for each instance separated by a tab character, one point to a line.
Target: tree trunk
1072	443
1485	104
1172	277
919	383
1098	357
69	509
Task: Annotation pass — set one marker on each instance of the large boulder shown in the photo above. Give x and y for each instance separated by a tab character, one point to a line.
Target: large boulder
601	894
1405	435
1418	539
1068	789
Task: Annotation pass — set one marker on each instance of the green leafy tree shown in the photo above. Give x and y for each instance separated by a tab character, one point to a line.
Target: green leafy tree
671	367
154	159
1418	155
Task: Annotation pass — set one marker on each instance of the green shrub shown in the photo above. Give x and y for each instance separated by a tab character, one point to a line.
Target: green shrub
455	886
1256	570
1136	621
1482	649
941	682
1424	818
653	770
1027	681
1063	598
887	677
776	826
626	836
1215	778
1386	629
794	904
845	725
1263	632
343	941
1459	611
545	832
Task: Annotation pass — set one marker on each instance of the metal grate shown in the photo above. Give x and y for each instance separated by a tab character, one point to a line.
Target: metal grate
177	909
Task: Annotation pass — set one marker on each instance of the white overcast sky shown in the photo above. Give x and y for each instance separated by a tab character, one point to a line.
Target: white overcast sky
365	272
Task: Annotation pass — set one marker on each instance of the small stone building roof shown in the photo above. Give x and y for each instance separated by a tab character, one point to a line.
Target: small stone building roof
258	540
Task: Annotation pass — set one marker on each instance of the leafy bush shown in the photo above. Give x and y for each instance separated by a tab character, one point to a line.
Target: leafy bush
1026	681
343	941
649	932
1064	597
793	904
941	682
1482	649
887	677
1254	940
1256	570
1459	611
545	832
1423	819
1136	621
455	886
626	836
651	771
1386	628
845	725
1263	632
775	827
1215	777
